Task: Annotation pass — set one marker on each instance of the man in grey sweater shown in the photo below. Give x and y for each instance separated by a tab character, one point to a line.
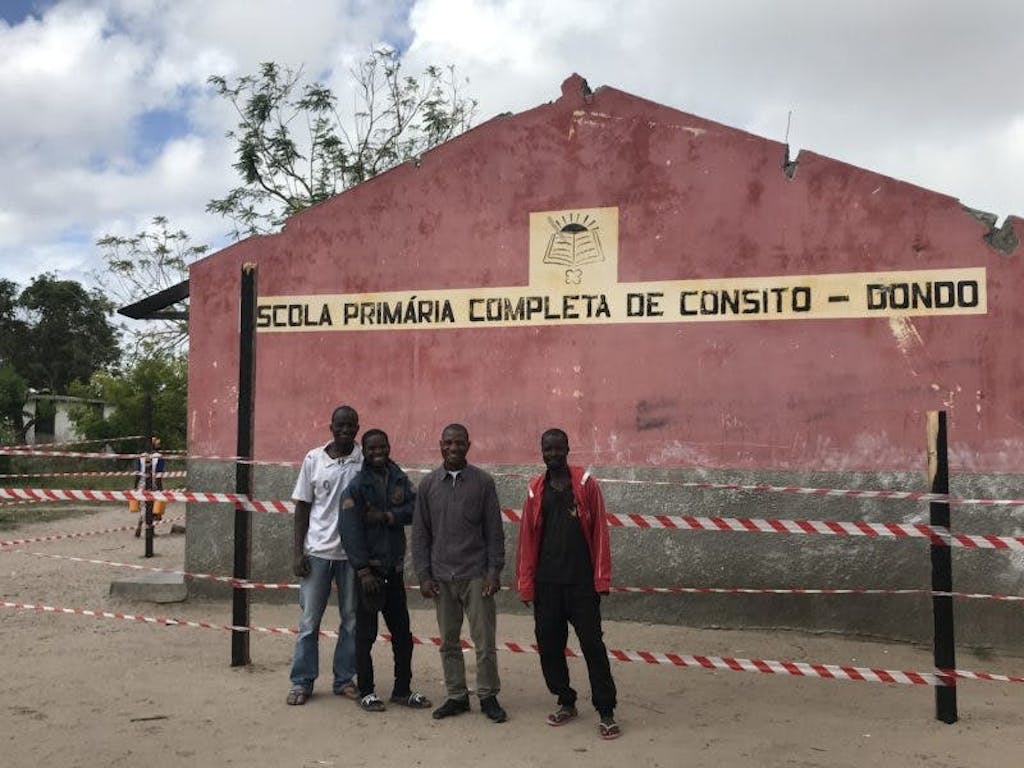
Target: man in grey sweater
458	549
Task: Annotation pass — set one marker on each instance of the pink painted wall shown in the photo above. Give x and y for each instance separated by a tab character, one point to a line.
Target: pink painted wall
695	199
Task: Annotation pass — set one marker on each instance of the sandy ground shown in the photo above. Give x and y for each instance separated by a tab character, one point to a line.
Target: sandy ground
80	691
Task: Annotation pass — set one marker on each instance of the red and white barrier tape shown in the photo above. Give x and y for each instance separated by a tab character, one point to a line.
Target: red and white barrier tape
92	474
847	493
944	677
937	535
56	494
5	451
810	591
23	501
36	446
8	543
243	583
259	585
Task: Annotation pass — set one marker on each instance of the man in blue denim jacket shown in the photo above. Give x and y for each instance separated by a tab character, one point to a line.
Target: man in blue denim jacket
375	509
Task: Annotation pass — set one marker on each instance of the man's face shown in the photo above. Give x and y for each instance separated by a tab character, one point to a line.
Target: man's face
454	447
345	427
376	451
554	449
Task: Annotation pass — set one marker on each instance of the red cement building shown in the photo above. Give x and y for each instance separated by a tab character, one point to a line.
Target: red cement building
686	304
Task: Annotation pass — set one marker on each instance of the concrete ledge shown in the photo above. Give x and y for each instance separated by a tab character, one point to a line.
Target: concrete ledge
152	587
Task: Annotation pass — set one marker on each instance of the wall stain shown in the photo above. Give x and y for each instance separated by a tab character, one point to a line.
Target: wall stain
654	414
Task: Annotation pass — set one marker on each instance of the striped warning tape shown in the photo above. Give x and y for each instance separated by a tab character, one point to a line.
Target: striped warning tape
243	583
57	494
37	446
8	543
846	493
92	474
937	535
939	677
259	585
7	451
22	501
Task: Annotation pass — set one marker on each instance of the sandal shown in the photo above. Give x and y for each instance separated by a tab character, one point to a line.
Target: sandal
609	729
561	716
412	701
370	703
348	690
296	697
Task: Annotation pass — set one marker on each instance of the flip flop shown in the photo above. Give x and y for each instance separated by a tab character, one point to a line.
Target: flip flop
561	716
348	690
609	729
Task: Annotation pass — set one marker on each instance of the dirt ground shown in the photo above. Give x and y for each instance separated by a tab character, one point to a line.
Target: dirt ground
81	691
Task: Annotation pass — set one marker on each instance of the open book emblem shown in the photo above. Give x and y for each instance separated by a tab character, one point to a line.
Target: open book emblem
575	241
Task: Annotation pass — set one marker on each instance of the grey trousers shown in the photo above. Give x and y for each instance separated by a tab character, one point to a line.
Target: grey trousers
465	598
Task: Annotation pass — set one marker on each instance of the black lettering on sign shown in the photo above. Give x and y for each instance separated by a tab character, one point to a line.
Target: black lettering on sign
644	304
801	299
749	301
292	316
411	311
940	294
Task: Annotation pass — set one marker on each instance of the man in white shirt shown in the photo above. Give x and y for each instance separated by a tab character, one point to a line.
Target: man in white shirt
320	559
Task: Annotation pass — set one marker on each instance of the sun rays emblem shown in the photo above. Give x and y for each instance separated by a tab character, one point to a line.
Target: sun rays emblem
575	242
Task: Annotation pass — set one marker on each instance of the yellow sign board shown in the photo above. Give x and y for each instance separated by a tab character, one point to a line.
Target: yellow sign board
574	280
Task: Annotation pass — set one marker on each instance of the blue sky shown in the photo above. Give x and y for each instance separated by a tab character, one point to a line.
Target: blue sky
15	11
108	119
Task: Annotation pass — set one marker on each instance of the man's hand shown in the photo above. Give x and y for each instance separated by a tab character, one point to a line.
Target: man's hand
369	581
429	588
492	585
376	516
300	565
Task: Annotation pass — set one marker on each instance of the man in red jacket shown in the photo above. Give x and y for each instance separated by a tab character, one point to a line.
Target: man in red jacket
564	566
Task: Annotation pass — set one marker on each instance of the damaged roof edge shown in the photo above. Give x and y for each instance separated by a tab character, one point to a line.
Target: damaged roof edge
1003	239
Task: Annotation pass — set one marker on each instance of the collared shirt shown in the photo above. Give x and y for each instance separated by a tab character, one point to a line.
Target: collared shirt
321	481
456	528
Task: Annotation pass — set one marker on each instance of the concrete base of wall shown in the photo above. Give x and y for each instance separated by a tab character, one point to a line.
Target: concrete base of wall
674	558
151	587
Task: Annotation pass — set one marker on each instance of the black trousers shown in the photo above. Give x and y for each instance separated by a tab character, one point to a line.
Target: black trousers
555	606
396	615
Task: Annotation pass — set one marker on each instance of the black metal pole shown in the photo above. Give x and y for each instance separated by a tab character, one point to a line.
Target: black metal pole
944	643
243	469
148	468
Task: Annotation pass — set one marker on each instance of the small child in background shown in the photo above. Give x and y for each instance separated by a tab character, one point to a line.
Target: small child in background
152	462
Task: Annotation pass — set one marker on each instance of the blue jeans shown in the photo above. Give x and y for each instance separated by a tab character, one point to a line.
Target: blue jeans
314	592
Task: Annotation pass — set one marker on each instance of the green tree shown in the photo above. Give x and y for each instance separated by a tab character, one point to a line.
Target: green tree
283	170
12	327
13	394
64	334
140	265
164	376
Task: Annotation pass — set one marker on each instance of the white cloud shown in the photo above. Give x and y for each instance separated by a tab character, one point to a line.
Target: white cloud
923	90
